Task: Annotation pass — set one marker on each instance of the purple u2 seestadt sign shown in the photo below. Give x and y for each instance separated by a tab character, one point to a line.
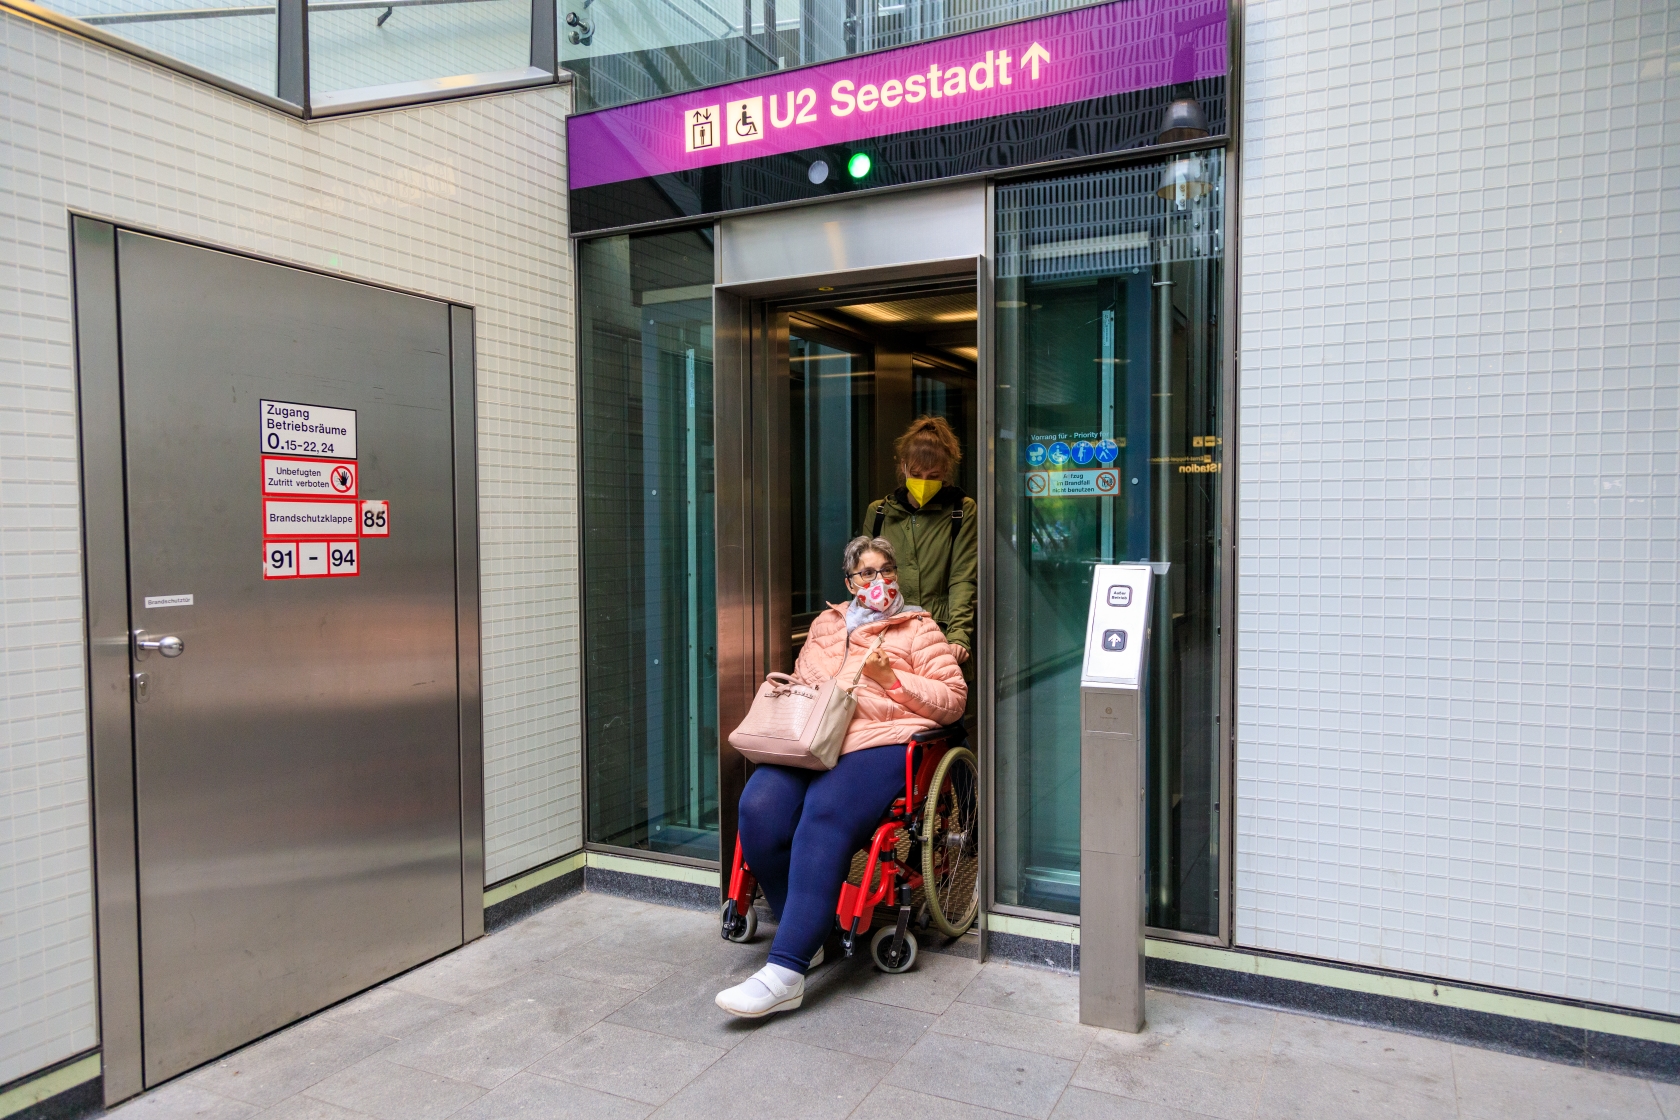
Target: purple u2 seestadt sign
1075	56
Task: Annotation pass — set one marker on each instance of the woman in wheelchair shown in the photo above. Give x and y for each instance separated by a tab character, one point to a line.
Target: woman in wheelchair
799	828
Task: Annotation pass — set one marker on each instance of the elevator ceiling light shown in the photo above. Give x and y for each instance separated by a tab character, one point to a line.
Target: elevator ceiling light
858	166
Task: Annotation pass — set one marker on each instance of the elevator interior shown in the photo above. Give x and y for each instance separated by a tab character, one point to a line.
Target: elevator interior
858	370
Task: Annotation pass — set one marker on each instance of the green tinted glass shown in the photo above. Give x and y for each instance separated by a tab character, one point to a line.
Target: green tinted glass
1108	414
650	683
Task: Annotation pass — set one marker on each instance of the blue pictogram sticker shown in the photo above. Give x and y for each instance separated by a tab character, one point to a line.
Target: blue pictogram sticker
1083	452
1060	453
1035	454
1108	451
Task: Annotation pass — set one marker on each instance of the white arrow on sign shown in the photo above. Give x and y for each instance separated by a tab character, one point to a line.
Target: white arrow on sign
1035	54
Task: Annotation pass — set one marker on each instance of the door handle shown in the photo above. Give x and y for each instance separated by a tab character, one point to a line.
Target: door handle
170	646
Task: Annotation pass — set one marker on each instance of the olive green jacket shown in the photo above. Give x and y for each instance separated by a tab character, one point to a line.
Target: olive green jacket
922	541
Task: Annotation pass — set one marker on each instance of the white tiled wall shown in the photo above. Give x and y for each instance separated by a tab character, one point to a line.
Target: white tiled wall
464	201
1460	322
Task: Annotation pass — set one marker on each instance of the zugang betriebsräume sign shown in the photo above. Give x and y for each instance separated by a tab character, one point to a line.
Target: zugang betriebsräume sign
1081	83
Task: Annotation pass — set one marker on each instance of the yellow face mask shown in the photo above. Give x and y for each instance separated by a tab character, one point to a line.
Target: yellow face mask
922	489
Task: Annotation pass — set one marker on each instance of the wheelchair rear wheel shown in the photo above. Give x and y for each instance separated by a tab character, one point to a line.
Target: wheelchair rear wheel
951	852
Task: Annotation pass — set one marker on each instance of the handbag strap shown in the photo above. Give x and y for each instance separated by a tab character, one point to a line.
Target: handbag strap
858	676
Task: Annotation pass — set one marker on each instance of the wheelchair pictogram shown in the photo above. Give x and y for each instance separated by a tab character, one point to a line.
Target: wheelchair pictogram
745	119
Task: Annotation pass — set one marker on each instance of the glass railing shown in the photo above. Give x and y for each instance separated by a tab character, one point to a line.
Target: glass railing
317	57
365	45
632	50
237	40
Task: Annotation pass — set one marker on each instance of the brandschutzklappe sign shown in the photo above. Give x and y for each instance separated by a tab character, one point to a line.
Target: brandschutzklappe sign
313	513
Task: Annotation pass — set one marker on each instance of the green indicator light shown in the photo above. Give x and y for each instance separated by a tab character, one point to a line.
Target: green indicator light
858	166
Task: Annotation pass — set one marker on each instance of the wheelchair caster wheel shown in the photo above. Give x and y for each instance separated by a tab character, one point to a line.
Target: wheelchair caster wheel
891	957
739	927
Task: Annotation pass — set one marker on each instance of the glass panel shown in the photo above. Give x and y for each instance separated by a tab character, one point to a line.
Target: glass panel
650	681
238	40
1107	329
832	439
354	44
632	52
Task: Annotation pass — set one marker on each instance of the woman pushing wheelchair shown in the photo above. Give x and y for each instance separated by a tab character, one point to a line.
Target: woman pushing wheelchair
835	770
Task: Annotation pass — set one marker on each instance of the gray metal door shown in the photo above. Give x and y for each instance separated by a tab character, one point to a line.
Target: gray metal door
297	765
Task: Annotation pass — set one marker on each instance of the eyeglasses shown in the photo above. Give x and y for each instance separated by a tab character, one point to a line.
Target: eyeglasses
868	575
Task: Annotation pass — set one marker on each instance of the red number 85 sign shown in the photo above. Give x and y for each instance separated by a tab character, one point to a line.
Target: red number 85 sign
376	519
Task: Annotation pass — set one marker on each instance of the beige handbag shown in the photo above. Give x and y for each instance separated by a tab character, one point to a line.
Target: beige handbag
793	724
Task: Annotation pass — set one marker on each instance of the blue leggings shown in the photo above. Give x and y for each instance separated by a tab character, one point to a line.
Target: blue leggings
799	829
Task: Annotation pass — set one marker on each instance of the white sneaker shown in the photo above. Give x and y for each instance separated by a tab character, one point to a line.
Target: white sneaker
816	959
770	989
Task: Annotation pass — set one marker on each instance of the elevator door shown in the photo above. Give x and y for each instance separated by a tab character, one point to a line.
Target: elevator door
297	784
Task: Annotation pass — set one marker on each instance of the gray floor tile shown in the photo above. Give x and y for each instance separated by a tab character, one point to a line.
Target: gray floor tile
1422	1066
1026	991
1024	1032
894	1102
575	1003
768	1076
391	1092
180	1100
627	1062
836	1021
663	933
683	1006
1085	1104
389	1011
508	1028
529	1097
308	1108
1200	1056
267	1072
932	985
1200	1032
602	1007
983	1073
569	924
1493	1086
1305	1089
611	966
462	975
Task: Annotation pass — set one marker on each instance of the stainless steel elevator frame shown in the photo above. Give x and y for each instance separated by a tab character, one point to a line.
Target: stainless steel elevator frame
753	565
106	589
768	255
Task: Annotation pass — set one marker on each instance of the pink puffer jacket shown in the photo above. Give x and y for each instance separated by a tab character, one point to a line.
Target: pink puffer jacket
930	691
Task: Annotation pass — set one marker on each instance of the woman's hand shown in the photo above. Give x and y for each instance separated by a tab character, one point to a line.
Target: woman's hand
960	653
877	666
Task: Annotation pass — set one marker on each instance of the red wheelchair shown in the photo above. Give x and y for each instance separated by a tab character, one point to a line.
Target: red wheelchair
924	858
